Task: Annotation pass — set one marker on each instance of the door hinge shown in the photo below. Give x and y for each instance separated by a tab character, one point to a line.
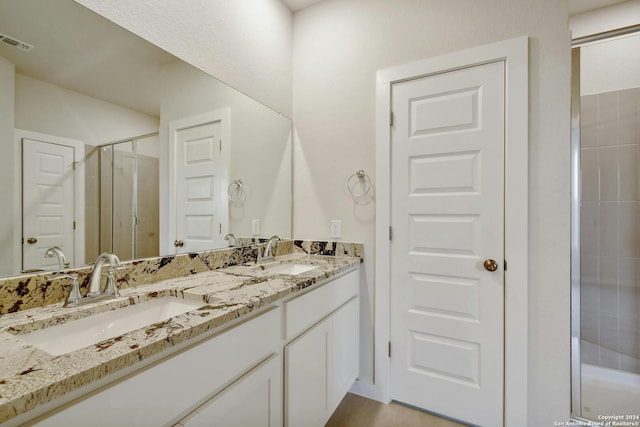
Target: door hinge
391	118
389	349
220	144
220	228
390	233
74	225
505	265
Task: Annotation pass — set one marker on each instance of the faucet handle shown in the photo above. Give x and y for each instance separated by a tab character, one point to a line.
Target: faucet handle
259	251
74	296
111	286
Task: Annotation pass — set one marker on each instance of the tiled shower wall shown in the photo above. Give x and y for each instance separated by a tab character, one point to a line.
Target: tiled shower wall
610	229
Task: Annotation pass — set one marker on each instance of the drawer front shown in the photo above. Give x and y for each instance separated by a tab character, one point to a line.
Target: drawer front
306	310
170	389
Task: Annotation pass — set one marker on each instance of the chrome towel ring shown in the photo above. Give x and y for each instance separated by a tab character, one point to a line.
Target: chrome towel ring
235	188
360	177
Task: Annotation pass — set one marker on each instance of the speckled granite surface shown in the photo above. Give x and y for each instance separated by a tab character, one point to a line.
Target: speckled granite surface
315	247
37	290
30	377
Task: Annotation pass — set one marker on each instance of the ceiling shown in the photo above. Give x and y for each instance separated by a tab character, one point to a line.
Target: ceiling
75	47
575	6
296	5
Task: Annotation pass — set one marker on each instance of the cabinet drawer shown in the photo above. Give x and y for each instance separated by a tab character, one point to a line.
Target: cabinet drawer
304	311
170	389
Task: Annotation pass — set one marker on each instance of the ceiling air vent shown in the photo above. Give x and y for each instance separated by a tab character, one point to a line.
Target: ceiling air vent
15	43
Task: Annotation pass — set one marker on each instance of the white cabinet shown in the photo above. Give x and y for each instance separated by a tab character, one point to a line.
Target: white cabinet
236	377
254	400
165	392
322	364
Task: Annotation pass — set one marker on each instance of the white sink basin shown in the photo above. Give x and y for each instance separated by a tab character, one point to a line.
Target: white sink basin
289	268
77	334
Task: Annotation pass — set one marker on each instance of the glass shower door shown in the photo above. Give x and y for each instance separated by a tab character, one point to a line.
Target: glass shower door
129	198
606	301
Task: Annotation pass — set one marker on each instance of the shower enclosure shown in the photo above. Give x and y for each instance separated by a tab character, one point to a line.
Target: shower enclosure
606	228
129	198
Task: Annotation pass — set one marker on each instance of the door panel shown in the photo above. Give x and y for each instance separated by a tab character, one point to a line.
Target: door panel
47	202
448	217
201	175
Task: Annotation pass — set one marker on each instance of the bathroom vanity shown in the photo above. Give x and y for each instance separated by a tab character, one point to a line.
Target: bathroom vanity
268	344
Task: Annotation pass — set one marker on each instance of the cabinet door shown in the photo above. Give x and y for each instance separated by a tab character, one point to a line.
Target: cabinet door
254	400
344	356
306	361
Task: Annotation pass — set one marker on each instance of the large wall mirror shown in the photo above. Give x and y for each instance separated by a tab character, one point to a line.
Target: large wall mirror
112	144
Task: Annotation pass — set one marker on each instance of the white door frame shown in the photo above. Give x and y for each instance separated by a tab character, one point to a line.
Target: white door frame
78	194
515	54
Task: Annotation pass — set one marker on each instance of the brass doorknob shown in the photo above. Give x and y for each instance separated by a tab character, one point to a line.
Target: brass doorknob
32	240
490	265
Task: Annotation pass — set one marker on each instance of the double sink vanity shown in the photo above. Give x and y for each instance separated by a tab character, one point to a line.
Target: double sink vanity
251	343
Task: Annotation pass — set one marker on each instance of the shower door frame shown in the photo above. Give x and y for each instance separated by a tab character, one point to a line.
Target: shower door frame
576	188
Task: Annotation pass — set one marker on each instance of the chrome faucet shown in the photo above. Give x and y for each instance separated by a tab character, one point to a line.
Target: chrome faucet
267	249
57	252
230	236
96	276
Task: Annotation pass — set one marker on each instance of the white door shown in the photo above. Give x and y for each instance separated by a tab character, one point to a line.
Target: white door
47	202
200	175
447	212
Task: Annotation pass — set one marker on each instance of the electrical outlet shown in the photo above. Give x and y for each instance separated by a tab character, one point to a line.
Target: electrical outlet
336	229
255	227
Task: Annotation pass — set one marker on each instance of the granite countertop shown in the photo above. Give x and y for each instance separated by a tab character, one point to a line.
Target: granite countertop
30	377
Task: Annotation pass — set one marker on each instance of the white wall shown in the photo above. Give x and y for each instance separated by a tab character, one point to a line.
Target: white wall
338	47
610	65
46	108
245	43
260	149
7	165
620	15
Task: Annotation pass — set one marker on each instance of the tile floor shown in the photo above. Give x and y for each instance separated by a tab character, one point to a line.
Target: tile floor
357	411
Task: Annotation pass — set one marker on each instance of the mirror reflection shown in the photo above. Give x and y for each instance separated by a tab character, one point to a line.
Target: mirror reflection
112	144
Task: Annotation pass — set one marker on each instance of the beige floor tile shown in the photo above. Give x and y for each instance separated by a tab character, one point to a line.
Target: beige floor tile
357	411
